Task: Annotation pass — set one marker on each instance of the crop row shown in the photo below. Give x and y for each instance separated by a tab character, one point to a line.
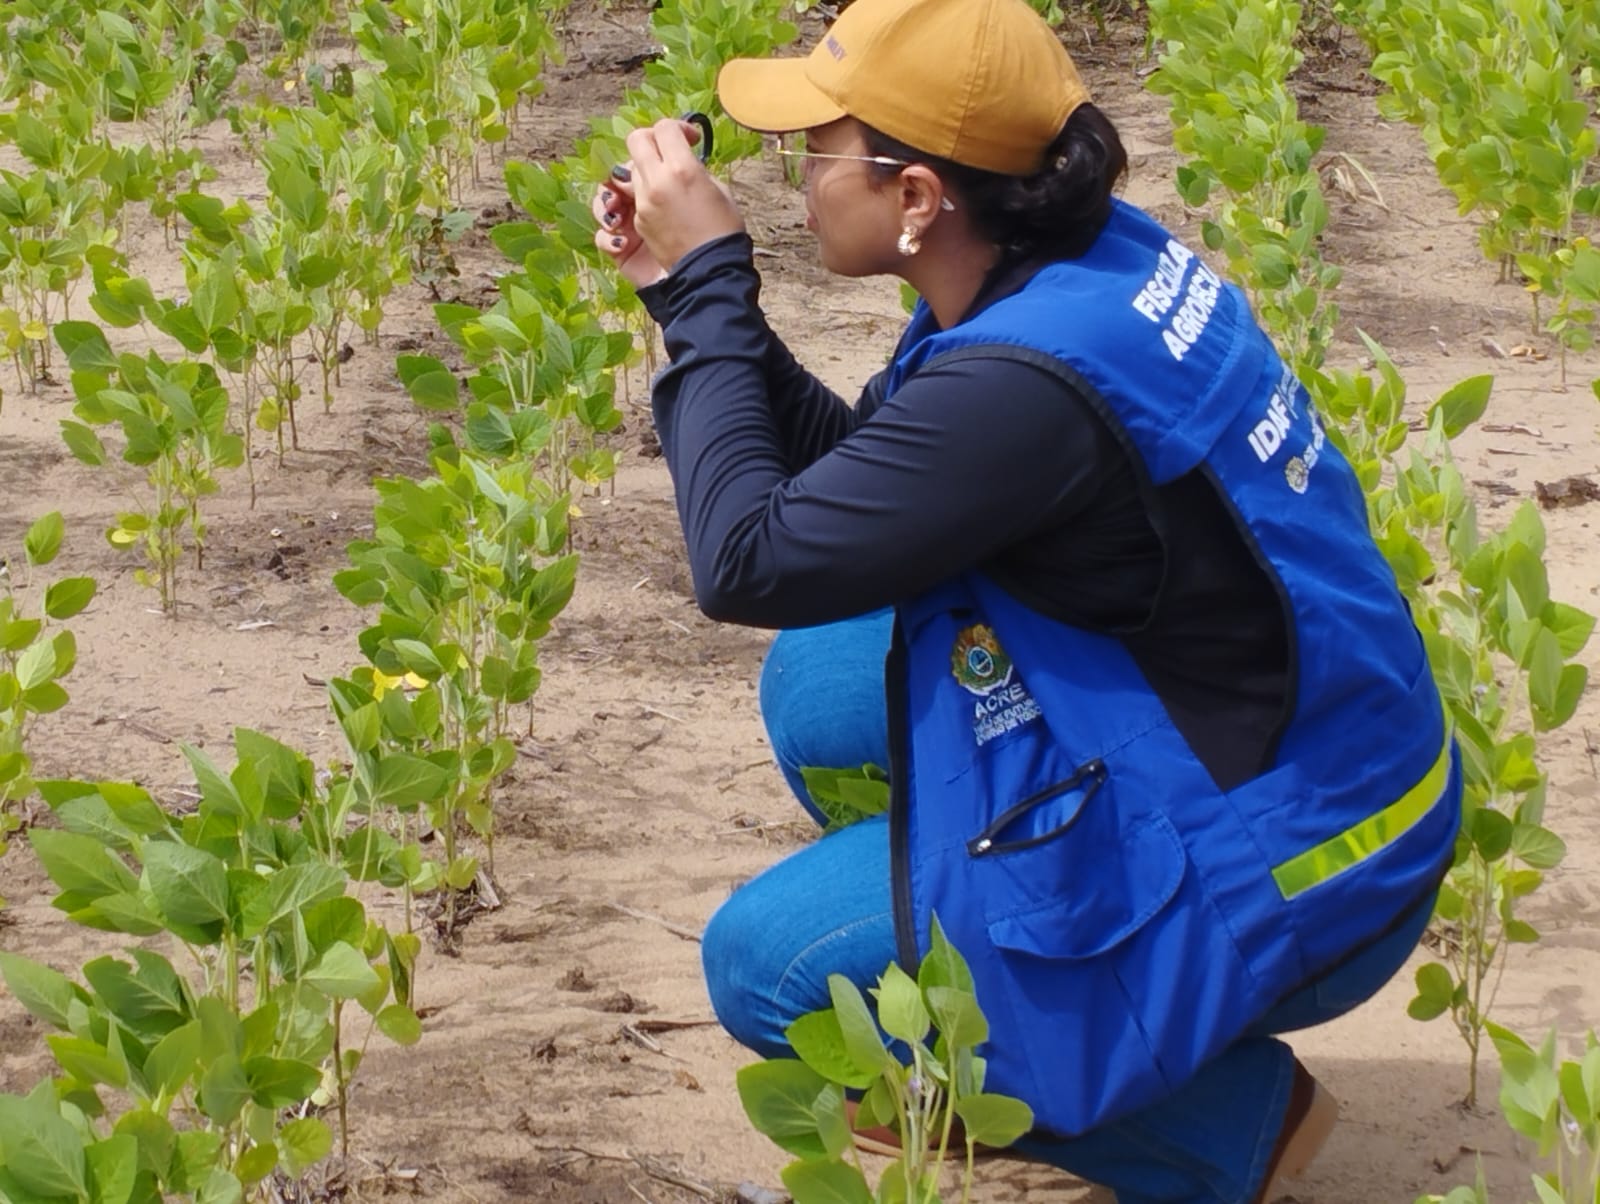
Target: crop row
1511	132
221	1083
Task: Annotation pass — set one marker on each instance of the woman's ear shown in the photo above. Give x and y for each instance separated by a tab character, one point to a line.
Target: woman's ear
921	194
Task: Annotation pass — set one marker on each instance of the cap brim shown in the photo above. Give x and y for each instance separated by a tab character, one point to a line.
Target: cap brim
773	96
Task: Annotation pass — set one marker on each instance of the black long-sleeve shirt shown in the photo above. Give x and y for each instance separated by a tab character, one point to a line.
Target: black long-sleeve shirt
799	509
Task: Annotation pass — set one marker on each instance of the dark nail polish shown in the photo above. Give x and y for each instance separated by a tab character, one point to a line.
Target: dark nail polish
617	243
610	219
622	173
606	196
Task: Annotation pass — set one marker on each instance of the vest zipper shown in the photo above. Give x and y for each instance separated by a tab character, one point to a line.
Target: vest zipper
896	693
1091	772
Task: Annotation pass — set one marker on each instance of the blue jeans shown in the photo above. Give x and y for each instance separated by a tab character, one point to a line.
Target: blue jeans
826	910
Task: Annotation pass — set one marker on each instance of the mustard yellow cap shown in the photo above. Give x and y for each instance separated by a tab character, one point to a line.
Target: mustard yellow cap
984	83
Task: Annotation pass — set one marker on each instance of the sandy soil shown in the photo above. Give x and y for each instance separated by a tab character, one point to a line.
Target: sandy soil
647	786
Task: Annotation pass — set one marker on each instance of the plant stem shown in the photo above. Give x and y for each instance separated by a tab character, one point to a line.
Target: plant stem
338	1074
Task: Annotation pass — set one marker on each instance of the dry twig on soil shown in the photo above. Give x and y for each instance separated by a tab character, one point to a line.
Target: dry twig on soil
687	934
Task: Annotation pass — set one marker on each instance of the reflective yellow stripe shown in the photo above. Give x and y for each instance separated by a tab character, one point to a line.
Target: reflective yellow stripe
1357	843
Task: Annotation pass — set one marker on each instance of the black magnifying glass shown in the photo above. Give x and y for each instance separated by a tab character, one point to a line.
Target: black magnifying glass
702	123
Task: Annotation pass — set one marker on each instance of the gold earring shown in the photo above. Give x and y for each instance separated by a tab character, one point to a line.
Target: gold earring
910	242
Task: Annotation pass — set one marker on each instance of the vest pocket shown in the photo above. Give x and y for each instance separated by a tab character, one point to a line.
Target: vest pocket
1018	827
1127	874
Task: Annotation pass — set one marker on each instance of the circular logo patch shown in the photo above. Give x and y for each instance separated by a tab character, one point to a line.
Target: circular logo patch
977	661
1297	474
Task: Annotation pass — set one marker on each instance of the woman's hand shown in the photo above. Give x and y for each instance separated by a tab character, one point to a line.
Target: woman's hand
618	237
667	205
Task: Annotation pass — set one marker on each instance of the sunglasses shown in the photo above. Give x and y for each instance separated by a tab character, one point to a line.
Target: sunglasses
880	160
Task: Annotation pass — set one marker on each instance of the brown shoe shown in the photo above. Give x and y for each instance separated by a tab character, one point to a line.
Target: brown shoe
1311	1116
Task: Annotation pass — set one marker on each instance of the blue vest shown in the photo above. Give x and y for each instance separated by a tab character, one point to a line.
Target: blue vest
1125	919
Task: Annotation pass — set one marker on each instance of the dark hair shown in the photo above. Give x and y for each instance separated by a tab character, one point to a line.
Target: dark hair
1057	212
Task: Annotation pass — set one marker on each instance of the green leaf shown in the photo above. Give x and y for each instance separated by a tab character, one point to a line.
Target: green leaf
861	1037
825	1182
18	634
430	384
113	1168
256	1163
341	919
1435	982
173	1060
42	1150
216	297
44	699
85	346
777	1096
316	271
1589	1073
818	1041
404	780
303	1143
419	658
1571	626
362	727
88	1061
1462	404
280	1082
1521	932
901	1012
994	1120
197	1154
1424	1008
216	791
130	803
342	972
83	443
458	875
81	864
36	666
150	999
958	1017
372	999
224	1090
833	1126
43	991
286	778
288	891
1570	685
124	911
1538	847
943	966
184	325
43	539
220	1187
66	650
68	596
891	1186
400	1024
877	1104
12	766
847	795
1546	1193
154	1137
190	885
222	1029
306	203
505	333
359	586
1491	833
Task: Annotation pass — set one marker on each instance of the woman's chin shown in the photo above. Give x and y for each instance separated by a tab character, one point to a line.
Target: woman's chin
838	264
